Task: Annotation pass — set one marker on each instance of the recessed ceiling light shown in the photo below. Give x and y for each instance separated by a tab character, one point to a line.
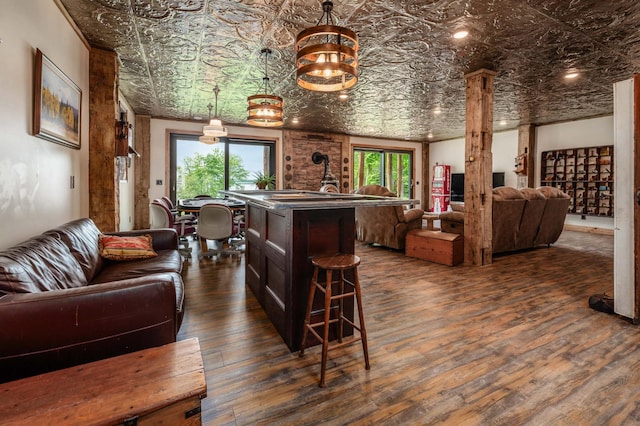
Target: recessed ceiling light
294	121
461	34
437	111
571	75
343	96
503	122
430	135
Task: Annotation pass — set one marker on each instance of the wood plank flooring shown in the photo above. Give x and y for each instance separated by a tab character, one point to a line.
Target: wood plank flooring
506	344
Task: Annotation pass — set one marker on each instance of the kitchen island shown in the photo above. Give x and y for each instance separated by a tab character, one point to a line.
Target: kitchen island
284	230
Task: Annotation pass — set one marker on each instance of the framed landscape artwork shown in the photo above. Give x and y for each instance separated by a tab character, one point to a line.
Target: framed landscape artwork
57	103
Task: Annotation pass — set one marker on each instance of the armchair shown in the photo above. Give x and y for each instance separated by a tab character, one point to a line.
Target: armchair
385	225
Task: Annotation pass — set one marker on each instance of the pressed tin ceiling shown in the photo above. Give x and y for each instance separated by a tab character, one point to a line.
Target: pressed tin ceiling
173	52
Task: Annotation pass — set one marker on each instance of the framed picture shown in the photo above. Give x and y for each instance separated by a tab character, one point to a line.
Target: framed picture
56	105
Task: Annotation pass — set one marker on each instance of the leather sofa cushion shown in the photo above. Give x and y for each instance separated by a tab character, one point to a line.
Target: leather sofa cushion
81	236
552	192
503	193
457	206
42	263
532	194
165	261
508	205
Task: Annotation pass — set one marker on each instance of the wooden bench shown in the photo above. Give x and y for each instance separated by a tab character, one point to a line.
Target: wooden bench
435	246
156	385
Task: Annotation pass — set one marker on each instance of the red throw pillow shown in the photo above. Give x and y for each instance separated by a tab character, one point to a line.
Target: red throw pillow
115	247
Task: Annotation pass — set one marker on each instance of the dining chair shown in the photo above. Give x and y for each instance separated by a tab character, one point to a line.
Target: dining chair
161	217
216	223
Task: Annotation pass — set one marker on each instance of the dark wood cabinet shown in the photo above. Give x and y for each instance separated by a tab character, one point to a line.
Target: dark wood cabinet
586	174
280	246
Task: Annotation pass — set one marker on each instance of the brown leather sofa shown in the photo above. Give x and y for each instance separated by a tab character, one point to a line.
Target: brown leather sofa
385	225
62	304
521	218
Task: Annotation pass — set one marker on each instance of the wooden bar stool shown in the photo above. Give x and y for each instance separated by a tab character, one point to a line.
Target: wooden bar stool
338	262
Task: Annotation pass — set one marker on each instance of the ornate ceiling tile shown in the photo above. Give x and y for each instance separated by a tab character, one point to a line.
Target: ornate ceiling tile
173	52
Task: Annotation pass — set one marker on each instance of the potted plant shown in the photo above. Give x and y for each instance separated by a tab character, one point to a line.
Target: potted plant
263	181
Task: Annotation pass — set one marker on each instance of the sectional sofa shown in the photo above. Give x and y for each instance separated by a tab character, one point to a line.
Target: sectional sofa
521	219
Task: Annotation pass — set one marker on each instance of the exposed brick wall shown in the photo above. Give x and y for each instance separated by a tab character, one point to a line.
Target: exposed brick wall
301	173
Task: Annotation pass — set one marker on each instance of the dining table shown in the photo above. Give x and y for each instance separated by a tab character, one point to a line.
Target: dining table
193	205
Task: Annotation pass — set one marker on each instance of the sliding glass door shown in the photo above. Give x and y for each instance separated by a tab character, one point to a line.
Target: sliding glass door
200	169
390	168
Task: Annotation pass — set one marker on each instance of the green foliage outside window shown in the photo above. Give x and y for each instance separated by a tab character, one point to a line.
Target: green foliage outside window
375	171
204	174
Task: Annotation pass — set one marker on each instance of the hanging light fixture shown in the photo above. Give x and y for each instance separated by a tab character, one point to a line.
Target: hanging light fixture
264	109
214	130
327	55
209	140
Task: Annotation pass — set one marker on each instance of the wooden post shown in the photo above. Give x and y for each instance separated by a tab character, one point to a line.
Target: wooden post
142	140
478	168
388	178
361	170
426	178
636	189
399	174
104	189
526	150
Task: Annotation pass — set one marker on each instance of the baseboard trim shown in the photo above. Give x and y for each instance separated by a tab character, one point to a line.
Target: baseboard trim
588	229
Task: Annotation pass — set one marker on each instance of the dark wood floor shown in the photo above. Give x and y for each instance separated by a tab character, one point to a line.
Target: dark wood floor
507	344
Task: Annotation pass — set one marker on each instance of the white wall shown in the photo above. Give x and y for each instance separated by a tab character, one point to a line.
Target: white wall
128	188
576	134
35	193
573	134
504	149
624	234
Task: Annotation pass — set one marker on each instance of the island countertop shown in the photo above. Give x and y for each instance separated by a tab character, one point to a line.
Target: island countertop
315	200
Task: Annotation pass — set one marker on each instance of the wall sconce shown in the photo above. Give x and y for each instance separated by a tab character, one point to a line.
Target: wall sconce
123	149
122	136
132	151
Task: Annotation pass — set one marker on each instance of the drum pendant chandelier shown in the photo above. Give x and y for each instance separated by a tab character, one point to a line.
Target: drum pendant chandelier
327	55
265	110
214	130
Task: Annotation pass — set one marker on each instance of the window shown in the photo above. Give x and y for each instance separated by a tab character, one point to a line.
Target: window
392	169
200	169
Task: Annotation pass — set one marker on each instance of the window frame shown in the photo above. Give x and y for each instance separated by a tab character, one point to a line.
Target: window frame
383	150
228	141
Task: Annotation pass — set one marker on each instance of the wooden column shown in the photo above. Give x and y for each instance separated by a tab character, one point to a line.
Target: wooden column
426	178
142	140
526	151
104	200
636	189
478	179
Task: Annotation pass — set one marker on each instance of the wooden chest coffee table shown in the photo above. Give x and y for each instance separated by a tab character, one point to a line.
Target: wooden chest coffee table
152	386
435	246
